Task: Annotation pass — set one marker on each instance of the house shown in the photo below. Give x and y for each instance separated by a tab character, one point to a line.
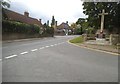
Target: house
14	16
63	29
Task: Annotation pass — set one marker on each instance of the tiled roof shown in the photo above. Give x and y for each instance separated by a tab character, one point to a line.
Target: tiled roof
63	26
11	15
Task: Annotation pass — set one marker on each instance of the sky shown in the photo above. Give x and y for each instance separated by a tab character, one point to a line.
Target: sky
63	10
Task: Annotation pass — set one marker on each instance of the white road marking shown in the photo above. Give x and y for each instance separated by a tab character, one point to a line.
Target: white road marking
55	44
23	53
51	45
47	46
0	59
10	56
34	50
42	47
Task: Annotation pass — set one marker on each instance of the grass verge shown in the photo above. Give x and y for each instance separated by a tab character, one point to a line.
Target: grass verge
77	40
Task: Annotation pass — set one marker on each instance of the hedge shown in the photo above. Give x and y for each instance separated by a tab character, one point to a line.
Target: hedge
19	27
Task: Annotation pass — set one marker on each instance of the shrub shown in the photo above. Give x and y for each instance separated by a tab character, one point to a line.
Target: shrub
49	31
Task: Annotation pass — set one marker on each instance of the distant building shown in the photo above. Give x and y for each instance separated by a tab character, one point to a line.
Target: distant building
14	16
63	29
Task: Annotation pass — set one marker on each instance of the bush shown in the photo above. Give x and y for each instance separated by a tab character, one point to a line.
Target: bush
77	31
49	31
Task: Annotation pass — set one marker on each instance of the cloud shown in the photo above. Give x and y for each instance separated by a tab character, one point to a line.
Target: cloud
63	10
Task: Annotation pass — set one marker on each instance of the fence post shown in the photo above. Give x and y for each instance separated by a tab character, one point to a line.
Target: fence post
111	36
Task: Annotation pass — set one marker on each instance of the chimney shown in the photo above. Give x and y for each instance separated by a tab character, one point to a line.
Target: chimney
40	20
26	14
56	23
67	22
48	22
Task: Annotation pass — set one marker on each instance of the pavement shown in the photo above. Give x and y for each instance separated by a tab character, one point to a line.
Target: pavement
29	39
105	48
55	60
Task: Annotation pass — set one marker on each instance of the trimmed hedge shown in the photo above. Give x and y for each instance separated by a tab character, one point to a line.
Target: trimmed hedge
18	27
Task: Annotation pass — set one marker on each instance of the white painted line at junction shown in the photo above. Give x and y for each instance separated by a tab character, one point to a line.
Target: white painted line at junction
23	53
10	56
34	50
47	46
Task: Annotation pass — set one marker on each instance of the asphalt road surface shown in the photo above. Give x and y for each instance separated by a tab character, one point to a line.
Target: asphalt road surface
55	60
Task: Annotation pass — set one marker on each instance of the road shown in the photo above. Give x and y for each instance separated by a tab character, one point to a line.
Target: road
55	60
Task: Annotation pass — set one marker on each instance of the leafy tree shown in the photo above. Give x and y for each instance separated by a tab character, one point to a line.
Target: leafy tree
81	21
73	25
93	9
85	25
48	31
5	4
77	31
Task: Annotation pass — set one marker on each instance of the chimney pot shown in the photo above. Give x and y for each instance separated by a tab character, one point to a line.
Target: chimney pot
26	14
40	20
56	23
67	22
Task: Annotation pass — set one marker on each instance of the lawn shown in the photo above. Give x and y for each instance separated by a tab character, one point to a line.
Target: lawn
77	40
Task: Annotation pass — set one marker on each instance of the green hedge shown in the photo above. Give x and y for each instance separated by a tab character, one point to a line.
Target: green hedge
18	27
48	31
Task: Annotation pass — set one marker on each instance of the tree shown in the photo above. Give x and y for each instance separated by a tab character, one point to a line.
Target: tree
73	25
92	9
48	31
80	22
53	22
5	4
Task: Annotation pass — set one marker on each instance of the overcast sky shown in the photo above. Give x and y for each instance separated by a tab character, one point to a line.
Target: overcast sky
63	10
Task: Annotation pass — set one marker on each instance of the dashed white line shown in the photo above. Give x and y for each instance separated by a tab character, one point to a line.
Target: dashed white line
51	45
23	53
55	44
31	50
10	56
34	50
42	47
47	46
